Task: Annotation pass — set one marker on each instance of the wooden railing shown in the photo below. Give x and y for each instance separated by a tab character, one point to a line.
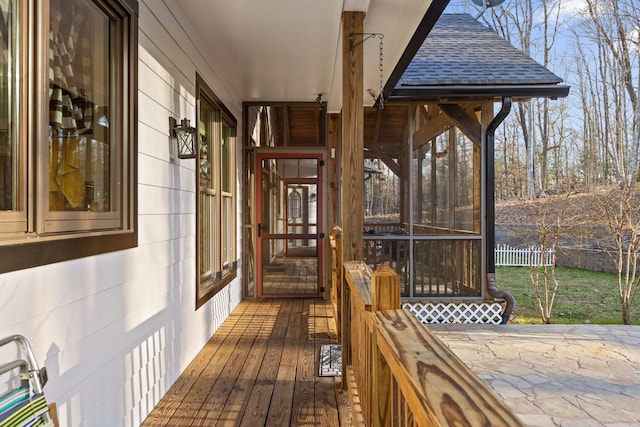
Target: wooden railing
362	304
393	250
403	374
447	266
422	383
357	335
384	227
429	229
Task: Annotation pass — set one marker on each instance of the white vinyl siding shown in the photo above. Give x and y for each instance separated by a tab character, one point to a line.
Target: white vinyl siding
115	330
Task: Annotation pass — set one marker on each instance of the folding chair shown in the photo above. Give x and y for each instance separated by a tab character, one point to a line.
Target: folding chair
24	404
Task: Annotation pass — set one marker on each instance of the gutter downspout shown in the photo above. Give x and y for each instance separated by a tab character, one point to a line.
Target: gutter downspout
490	240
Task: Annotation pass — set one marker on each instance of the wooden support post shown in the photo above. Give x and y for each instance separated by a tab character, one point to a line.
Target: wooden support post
453	173
479	184
419	178
332	192
405	167
333	171
433	186
352	135
385	290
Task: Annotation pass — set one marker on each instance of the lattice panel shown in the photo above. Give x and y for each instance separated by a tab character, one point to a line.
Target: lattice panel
456	312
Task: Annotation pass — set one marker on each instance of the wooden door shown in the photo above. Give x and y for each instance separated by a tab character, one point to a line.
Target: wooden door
289	246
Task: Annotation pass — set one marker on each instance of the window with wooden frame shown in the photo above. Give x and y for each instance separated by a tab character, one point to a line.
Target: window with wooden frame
294	204
216	241
68	87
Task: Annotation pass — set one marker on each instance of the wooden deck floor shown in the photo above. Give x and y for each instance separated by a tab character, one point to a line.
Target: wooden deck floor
291	276
260	369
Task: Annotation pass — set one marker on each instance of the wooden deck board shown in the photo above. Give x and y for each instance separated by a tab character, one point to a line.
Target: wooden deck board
325	387
198	393
260	398
282	399
260	368
304	394
239	396
246	354
174	398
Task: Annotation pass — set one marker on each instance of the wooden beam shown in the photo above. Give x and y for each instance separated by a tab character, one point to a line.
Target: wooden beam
378	132
287	126
390	148
465	120
426	112
264	129
275	127
352	136
436	124
386	159
318	122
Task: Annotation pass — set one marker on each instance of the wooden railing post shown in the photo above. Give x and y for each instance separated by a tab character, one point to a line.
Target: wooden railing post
346	334
357	339
337	273
345	328
385	290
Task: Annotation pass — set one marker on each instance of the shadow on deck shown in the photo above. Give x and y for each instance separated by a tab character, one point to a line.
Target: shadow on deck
261	368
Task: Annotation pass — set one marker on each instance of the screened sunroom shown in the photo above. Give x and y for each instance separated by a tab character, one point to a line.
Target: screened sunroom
422	202
429	172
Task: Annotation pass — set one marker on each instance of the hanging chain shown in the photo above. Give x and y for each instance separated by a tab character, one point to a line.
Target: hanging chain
353	44
381	94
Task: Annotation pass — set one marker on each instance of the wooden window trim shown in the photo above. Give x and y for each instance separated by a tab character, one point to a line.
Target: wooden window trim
218	279
32	249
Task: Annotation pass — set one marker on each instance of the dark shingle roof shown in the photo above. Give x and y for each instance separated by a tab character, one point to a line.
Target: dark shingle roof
460	51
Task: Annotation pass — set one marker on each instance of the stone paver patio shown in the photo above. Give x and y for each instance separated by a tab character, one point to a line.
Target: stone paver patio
556	375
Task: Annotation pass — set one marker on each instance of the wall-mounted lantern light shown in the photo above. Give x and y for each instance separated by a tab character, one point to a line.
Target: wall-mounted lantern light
186	137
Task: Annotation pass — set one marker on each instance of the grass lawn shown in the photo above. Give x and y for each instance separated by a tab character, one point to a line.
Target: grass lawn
582	296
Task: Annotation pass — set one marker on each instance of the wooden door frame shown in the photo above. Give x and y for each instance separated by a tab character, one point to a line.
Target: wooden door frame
319	235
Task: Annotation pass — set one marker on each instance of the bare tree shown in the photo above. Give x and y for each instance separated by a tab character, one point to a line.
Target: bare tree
611	26
533	26
510	182
550	23
605	78
549	217
515	24
621	212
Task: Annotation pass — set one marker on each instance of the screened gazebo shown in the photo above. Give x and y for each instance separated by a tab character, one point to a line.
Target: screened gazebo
430	210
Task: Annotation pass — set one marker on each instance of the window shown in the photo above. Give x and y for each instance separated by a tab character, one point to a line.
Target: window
216	199
68	88
295	204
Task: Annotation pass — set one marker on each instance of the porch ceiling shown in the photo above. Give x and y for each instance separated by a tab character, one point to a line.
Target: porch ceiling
290	50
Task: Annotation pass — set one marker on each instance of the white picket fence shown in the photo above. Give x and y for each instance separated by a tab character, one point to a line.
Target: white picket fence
507	256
